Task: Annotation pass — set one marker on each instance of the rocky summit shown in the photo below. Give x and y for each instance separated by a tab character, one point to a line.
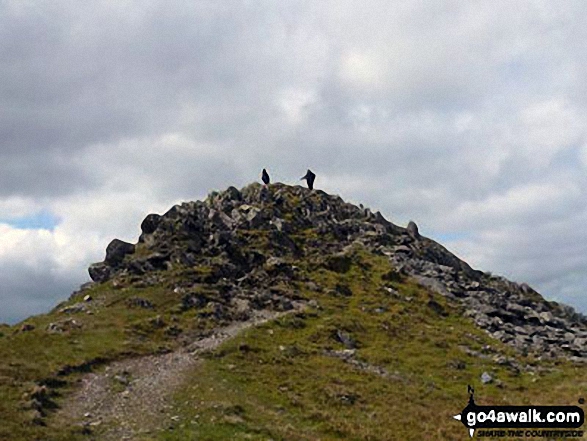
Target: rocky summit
217	234
281	313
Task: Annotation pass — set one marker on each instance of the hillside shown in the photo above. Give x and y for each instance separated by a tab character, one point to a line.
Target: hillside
283	313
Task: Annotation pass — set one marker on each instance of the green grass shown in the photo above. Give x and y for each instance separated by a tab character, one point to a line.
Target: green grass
113	331
278	381
284	386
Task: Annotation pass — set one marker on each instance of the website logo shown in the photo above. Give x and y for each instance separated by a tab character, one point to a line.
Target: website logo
521	417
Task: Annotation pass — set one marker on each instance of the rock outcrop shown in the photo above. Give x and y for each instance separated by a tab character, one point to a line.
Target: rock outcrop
211	239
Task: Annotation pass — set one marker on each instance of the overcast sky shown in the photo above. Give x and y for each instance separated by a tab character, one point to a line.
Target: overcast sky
468	117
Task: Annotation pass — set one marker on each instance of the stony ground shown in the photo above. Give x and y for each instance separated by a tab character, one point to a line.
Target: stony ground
131	398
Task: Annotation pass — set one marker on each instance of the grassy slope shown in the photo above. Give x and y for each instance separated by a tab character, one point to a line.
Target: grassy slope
275	382
113	332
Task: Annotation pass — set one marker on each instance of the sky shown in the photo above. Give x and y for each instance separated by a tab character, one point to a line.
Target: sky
467	117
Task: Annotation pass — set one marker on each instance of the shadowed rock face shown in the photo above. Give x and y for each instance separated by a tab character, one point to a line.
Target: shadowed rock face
116	250
299	224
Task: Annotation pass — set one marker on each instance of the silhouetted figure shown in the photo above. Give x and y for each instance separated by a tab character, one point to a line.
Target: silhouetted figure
309	179
265	177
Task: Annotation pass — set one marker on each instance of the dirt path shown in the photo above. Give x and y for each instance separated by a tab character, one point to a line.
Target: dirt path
131	398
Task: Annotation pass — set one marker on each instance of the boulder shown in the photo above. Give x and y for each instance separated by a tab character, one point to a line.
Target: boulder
413	230
116	250
150	223
100	272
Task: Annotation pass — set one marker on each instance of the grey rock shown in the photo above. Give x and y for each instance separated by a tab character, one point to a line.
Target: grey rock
486	378
403	249
433	284
249	240
546	317
150	223
138	302
116	250
100	272
26	327
580	342
64	326
72	309
193	300
413	230
345	339
254	218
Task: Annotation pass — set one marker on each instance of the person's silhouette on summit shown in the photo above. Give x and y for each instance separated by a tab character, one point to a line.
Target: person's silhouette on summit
265	177
309	179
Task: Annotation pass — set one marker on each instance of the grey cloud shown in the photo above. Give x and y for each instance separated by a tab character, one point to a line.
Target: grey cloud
414	109
39	174
27	291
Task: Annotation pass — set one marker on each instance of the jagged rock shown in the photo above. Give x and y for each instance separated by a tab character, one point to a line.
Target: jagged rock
546	317
123	378
275	266
249	240
64	325
580	342
150	223
313	304
193	300
220	219
116	250
413	230
100	272
285	304
216	310
433	284
403	249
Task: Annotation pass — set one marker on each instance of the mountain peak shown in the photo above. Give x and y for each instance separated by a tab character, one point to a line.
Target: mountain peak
346	315
254	236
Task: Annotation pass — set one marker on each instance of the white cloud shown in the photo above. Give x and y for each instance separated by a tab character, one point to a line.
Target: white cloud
548	127
363	70
14	207
295	103
467	118
536	202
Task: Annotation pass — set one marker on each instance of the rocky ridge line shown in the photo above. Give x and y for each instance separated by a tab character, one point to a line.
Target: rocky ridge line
216	233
